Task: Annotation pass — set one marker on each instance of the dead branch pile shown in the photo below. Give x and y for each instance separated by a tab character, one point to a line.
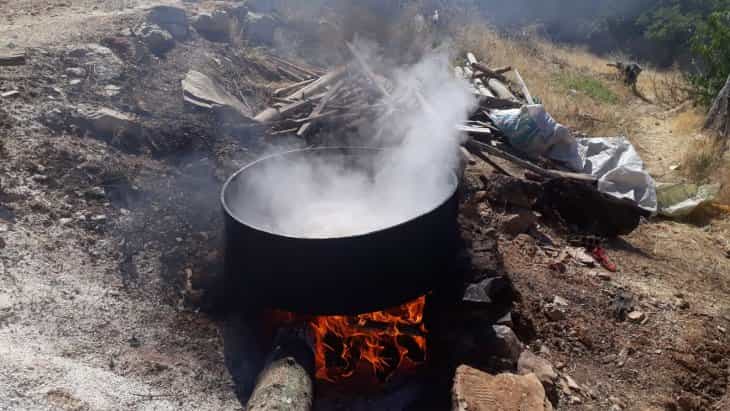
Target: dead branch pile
354	95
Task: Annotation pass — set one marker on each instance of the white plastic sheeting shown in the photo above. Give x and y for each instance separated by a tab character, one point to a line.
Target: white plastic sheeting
619	170
612	160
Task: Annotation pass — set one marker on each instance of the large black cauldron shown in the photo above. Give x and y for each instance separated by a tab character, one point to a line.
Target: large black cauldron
326	276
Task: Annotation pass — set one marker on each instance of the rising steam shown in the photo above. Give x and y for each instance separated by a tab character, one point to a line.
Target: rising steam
333	197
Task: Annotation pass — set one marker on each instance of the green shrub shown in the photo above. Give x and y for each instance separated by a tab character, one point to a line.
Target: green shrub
590	86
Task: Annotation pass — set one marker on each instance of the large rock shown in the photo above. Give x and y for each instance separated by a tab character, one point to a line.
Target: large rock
121	129
475	390
158	40
260	28
215	26
497	290
172	19
501	341
530	363
518	222
99	61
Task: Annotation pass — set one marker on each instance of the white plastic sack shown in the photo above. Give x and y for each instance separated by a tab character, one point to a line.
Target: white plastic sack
613	161
679	200
619	169
533	131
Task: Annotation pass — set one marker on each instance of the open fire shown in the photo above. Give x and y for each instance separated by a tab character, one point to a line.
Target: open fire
369	347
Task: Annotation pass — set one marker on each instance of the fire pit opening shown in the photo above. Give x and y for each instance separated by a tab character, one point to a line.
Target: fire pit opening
365	350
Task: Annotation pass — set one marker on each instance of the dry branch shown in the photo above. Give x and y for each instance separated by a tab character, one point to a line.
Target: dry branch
320	107
292	87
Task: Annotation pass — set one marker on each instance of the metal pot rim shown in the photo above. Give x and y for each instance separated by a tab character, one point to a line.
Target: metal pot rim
448	195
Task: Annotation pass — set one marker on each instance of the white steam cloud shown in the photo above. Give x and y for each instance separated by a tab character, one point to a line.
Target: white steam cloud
338	197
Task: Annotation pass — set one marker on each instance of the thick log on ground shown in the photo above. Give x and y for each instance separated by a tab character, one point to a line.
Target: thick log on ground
718	119
286	383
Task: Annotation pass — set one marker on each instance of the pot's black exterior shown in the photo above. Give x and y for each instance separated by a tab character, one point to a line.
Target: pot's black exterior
350	275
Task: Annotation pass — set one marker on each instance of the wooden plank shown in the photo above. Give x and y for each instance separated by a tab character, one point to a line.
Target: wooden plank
320	84
500	90
585	178
12	58
320	107
368	71
525	91
488	71
293	87
471	58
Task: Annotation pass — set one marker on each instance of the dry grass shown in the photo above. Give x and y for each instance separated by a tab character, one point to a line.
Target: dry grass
575	86
702	159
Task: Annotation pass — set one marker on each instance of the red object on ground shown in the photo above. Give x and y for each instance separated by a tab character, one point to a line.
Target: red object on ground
600	255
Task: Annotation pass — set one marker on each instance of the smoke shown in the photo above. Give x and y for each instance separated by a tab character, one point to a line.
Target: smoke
337	196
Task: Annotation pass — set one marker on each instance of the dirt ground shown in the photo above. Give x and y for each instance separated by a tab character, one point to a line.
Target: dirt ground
98	240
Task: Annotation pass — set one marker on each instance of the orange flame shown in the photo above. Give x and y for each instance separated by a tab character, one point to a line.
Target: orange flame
379	343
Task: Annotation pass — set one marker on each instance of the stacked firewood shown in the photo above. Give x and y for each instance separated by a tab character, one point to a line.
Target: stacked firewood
354	95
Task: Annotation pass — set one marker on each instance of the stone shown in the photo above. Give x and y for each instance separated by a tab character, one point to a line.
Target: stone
111	90
603	275
501	341
99	61
489	290
560	301
636	316
109	124
173	19
518	222
76	71
475	390
6	302
530	363
506	320
158	40
570	382
215	26
260	28
554	313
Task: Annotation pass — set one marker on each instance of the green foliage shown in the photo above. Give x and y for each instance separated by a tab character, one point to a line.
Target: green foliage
711	43
590	86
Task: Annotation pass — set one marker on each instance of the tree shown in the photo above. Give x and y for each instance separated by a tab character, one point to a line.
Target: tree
711	44
719	117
